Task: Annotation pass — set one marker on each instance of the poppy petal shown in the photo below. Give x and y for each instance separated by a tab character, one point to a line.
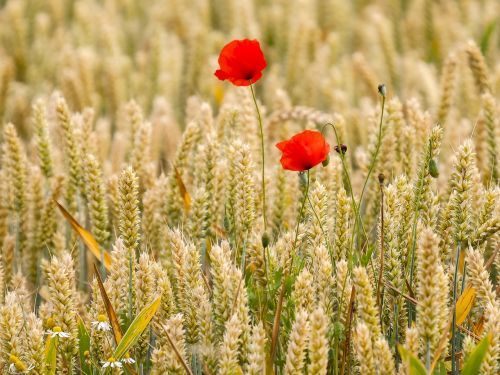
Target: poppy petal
241	62
303	151
222	75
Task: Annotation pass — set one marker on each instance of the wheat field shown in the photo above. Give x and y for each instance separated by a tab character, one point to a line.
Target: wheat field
148	227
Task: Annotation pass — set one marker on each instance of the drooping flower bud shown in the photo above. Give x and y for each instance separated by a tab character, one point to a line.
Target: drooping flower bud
382	90
433	168
341	149
265	240
381	178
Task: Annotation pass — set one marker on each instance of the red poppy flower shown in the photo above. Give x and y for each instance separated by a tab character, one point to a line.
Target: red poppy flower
241	62
303	151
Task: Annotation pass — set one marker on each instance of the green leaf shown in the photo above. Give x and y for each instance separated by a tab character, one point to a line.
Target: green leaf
415	366
288	284
136	328
486	37
51	355
278	275
440	369
365	259
83	345
475	359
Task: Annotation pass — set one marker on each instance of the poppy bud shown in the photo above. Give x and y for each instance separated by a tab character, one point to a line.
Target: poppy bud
433	169
382	90
341	149
381	178
265	240
326	161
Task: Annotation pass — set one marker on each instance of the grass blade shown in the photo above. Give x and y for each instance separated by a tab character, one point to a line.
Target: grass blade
473	363
51	355
136	328
415	365
83	345
465	303
186	198
87	238
113	318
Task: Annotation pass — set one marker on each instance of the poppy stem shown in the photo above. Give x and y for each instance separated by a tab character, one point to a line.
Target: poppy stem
382	240
410	259
265	236
355	207
454	369
373	161
262	152
287	272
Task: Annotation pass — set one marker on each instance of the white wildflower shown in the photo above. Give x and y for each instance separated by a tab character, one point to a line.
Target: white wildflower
112	363
57	332
101	324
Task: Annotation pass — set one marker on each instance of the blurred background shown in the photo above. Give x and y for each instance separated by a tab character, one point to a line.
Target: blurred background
328	54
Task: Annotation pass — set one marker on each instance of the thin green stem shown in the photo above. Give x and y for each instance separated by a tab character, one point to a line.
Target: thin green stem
373	161
287	271
427	355
410	261
339	315
130	286
266	268
262	152
301	212
244	255
263	161
243	272
381	266
464	277
83	266
355	207
396	327
454	369
101	257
